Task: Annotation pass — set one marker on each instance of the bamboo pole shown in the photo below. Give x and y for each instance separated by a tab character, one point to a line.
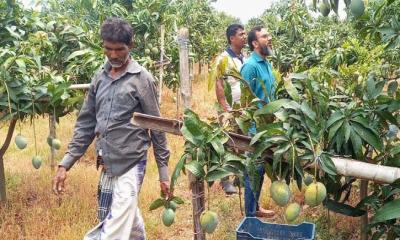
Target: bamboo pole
84	86
344	166
196	185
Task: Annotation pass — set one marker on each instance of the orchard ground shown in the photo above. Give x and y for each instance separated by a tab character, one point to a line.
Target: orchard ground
33	212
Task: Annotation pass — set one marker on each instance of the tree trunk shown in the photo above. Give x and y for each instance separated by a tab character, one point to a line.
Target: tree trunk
6	144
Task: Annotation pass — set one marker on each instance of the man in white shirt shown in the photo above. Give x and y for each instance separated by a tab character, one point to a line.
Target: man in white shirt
236	37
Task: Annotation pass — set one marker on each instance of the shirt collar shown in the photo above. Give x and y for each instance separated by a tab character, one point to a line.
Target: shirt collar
133	67
257	57
233	54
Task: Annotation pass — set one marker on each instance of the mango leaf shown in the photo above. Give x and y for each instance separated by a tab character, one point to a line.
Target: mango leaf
217	174
237	164
356	143
157	203
291	90
257	137
272	107
343	208
191	129
336	116
308	111
196	169
347	131
299	76
244	125
368	135
334	128
228	92
218	146
392	88
389	211
327	164
232	169
177	171
78	53
177	200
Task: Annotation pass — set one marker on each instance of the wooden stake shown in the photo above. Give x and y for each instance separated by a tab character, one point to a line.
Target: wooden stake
161	64
52	135
196	185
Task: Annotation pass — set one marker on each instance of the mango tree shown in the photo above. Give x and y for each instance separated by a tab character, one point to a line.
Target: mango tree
34	52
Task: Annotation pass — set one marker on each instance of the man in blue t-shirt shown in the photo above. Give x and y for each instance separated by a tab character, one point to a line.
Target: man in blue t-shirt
257	71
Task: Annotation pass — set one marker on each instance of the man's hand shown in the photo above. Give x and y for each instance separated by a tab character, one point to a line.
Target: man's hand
59	179
164	185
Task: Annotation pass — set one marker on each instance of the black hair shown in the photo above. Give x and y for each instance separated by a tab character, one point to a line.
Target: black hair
116	30
231	31
252	36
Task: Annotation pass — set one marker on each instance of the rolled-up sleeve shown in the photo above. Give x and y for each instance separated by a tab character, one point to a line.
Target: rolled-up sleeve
149	104
84	131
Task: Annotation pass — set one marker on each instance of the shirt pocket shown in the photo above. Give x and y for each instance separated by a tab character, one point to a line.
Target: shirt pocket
122	112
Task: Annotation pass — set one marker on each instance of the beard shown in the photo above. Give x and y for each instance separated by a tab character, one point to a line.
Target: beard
267	51
117	63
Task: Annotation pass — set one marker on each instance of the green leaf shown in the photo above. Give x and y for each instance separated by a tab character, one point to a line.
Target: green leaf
357	144
195	168
177	171
336	116
291	90
389	211
177	200
157	203
217	174
237	164
392	88
343	208
218	146
272	107
228	92
368	135
191	129
327	164
257	137
244	125
334	128
308	111
347	131
78	53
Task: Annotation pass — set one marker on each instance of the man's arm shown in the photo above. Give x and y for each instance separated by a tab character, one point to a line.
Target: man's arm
84	130
82	138
219	91
249	74
149	104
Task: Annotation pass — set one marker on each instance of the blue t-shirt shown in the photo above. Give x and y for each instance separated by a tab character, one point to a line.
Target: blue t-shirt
257	71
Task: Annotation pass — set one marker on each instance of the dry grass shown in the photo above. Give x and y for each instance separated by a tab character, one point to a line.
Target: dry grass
32	212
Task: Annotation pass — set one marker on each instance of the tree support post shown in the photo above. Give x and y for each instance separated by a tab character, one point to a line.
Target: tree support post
52	135
196	185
